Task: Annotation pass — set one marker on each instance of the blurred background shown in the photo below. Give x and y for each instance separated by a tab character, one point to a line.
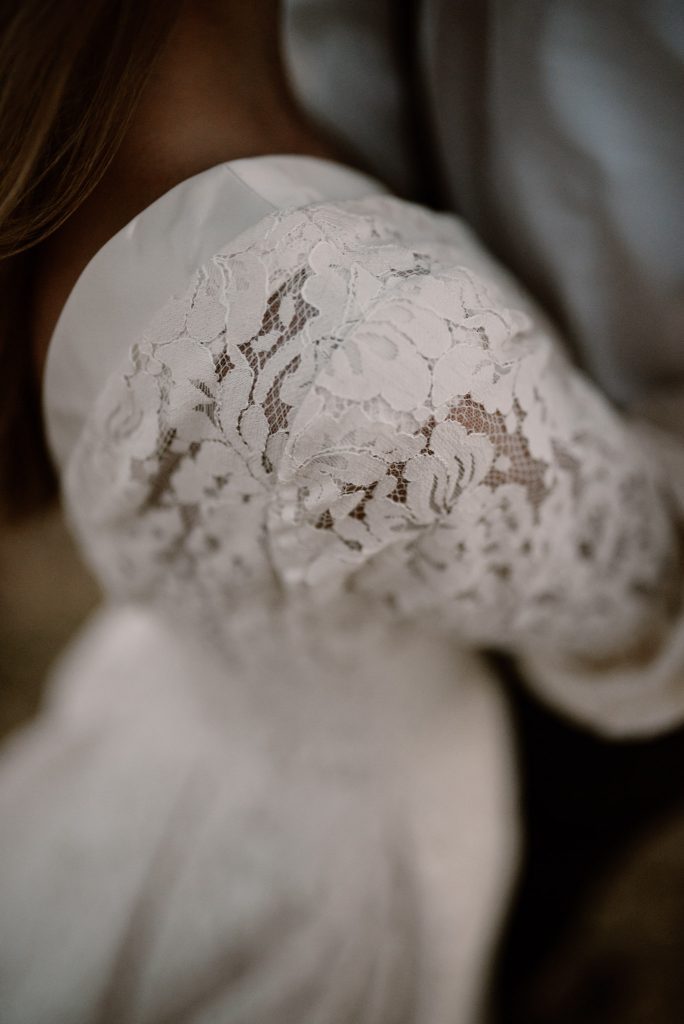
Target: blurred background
45	593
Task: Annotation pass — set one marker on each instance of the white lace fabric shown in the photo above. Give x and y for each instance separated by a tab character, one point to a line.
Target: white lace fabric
353	415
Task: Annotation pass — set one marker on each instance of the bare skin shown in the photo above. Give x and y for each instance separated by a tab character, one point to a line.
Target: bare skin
218	92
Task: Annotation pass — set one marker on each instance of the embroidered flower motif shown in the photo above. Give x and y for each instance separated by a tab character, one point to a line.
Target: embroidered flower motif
352	399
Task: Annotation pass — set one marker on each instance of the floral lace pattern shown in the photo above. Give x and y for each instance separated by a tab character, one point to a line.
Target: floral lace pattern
353	405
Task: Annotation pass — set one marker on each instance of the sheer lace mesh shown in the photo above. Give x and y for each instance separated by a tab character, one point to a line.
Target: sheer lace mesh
353	405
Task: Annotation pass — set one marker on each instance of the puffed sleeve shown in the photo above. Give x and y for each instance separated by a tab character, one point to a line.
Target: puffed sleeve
449	460
354	399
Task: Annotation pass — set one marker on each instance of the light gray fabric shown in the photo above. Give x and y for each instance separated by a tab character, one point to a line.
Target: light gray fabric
171	853
344	67
558	125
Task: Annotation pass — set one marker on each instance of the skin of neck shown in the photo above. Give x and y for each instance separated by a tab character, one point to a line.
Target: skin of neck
218	92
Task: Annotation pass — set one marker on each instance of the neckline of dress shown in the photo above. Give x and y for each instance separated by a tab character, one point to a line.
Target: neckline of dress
155	256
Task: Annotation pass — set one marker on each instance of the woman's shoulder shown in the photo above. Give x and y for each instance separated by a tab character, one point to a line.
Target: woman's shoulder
311	275
326	307
317	395
364	300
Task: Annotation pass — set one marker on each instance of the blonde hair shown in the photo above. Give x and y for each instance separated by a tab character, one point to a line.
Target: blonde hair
70	77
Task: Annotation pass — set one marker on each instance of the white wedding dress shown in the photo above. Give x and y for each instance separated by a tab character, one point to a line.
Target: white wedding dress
319	449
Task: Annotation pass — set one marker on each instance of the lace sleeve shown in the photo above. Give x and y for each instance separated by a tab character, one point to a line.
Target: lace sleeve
449	460
353	399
